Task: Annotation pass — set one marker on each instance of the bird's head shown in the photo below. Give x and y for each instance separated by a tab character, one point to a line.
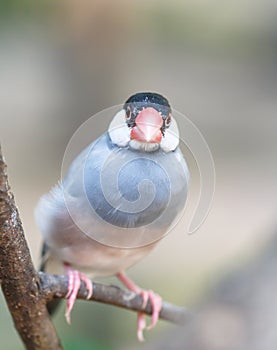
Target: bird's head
146	117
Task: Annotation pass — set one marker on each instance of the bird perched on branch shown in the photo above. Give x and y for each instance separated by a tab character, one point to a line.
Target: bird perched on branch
120	196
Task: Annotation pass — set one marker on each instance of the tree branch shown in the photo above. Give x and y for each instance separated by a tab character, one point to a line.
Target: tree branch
27	292
55	286
19	280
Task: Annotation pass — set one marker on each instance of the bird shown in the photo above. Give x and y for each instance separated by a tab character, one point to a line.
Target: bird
121	195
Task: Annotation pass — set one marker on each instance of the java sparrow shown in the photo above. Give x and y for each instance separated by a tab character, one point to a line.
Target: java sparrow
120	196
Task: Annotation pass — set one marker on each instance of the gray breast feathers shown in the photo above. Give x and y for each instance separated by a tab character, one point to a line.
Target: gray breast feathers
112	193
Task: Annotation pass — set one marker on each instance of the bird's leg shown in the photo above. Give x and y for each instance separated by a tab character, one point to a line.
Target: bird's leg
155	300
74	282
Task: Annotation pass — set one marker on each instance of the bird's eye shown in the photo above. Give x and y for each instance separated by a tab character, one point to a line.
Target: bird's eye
167	121
130	118
128	115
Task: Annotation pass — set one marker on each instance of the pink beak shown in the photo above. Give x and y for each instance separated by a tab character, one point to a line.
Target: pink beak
148	126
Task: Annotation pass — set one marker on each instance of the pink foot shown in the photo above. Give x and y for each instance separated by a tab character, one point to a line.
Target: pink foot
74	282
155	300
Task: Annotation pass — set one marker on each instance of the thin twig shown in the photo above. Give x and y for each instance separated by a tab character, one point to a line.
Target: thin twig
55	286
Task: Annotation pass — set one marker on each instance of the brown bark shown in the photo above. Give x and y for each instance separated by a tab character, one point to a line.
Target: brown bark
19	280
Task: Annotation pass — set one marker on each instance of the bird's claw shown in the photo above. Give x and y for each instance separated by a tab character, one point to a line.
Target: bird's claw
156	303
147	295
141	326
74	283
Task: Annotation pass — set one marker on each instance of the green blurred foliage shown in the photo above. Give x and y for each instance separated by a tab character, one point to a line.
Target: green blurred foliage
77	343
25	8
204	27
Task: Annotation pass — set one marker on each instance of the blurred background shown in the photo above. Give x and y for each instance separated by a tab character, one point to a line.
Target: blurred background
216	61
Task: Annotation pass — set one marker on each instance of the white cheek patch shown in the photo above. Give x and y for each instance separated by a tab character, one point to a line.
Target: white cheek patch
171	139
118	130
